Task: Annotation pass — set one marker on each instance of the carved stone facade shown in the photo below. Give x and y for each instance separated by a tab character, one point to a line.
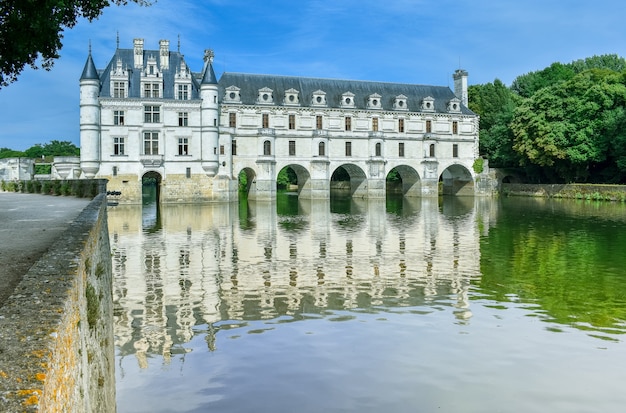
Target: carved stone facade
147	115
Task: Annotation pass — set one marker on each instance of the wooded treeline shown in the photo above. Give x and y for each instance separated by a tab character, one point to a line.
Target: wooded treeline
565	123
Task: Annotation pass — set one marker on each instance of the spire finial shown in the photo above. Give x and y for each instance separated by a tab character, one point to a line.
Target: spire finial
209	55
90	46
178	43
117	40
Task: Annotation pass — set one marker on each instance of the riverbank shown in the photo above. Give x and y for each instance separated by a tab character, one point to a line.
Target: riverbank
596	192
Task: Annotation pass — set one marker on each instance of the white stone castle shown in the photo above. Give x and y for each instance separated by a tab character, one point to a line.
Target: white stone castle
146	114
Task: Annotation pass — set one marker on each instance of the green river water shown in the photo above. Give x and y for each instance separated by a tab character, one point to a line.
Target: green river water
397	305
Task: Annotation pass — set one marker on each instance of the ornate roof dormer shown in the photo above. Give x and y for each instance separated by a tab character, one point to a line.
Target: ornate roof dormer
318	98
265	97
347	100
292	97
428	104
232	94
374	101
454	105
400	103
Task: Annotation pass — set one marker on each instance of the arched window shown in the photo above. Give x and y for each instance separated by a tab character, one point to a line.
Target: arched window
432	150
267	148
322	149
378	149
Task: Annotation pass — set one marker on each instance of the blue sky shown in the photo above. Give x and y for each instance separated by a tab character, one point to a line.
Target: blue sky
406	41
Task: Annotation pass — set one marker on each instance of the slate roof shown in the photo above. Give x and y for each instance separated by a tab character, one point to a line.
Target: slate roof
134	91
249	85
89	72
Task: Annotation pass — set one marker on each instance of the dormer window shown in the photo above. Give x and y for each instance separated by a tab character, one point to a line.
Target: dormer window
373	101
119	81
292	97
152	70
400	103
428	104
266	96
318	98
347	100
454	105
232	94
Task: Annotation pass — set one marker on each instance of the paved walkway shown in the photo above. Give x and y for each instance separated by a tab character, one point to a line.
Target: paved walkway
29	225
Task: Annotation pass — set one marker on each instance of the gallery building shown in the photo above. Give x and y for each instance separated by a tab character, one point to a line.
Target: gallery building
147	115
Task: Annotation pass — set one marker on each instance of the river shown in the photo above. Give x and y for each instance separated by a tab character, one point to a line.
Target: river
398	305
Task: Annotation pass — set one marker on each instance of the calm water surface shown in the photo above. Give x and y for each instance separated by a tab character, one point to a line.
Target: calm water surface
461	305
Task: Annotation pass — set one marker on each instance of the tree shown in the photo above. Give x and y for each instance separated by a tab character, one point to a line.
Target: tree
575	130
31	31
495	103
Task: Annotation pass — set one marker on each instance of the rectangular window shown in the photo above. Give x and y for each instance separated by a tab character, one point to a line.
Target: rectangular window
183	146
348	148
152	114
188	172
455	150
234	148
118	117
401	149
183	119
266	121
115	171
455	127
375	124
318	122
221	149
429	126
232	120
151	143
292	121
151	90
119	89
183	92
348	123
431	151
118	146
400	125
292	148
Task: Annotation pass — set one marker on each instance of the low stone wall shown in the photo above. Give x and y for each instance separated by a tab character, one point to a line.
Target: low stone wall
56	330
574	191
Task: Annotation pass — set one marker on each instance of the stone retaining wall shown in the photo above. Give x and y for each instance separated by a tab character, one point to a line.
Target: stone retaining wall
56	330
574	191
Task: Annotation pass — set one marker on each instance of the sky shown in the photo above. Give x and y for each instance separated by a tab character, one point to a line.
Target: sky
403	41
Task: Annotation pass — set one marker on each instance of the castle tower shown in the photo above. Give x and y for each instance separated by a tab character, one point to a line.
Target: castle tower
89	119
210	113
460	85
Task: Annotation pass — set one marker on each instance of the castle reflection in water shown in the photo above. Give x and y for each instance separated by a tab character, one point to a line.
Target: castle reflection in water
181	270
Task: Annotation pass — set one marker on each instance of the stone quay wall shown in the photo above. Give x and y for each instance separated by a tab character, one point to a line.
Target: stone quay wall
595	192
56	330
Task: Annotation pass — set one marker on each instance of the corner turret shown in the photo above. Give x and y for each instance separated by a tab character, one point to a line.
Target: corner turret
210	111
89	119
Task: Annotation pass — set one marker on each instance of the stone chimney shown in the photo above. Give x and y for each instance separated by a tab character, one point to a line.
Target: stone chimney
460	85
164	54
138	52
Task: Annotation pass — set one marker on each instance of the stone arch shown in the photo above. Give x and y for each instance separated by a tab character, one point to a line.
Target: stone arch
456	179
151	186
350	180
246	182
409	183
303	178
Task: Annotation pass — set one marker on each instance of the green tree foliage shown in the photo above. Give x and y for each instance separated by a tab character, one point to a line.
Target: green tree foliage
10	153
31	31
574	129
47	150
286	177
563	123
528	84
496	105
